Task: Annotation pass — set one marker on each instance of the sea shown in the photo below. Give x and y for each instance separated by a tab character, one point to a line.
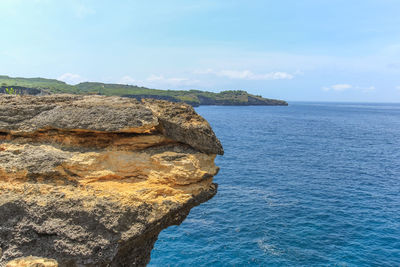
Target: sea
310	184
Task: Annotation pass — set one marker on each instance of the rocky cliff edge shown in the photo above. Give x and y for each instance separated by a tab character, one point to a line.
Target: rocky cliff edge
92	180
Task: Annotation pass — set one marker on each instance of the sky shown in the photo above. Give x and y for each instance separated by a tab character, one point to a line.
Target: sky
308	50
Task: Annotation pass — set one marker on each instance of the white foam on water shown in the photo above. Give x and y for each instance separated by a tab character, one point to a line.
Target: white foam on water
268	248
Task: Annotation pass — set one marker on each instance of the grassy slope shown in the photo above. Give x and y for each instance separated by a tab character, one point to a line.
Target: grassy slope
38	83
194	97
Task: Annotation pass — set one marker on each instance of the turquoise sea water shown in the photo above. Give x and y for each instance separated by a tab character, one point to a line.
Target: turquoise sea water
311	184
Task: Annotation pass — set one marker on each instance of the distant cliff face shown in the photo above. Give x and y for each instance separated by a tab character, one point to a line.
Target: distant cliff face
244	99
92	180
227	98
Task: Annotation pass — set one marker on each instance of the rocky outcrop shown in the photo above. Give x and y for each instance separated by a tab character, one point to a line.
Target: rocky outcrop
92	180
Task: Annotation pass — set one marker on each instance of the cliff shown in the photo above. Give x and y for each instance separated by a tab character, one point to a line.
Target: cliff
36	86
92	180
224	98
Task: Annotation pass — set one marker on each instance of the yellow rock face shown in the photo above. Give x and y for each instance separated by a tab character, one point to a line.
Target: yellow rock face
146	176
98	191
32	262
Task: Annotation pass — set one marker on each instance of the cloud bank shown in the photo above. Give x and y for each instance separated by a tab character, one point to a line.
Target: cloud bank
248	75
71	78
159	81
345	87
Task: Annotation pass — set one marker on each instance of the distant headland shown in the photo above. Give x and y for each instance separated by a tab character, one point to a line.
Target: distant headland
42	86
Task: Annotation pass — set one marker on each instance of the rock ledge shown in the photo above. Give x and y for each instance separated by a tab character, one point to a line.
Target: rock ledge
92	180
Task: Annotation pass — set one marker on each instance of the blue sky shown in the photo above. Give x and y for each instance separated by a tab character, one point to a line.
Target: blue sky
316	50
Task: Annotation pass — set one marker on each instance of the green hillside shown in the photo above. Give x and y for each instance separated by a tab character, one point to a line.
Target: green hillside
194	97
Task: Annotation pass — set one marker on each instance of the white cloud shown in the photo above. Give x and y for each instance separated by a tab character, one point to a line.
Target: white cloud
206	71
127	80
398	88
345	87
247	74
337	87
71	78
161	80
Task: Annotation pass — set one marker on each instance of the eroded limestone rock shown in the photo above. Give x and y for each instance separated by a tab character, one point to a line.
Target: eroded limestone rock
92	180
32	262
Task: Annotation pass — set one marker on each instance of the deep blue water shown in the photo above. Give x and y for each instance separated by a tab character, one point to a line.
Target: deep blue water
312	184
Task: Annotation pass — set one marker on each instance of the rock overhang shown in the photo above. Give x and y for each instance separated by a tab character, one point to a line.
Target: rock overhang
115	171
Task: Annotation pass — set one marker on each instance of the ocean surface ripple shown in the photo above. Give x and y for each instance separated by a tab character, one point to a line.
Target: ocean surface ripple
312	184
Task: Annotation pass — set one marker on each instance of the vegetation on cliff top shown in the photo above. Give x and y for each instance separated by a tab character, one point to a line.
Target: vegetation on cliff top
193	97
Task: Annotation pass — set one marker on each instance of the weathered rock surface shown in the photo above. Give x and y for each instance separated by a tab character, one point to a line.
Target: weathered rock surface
92	180
32	262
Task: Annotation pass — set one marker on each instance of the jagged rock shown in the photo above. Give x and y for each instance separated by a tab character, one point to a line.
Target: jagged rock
92	180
